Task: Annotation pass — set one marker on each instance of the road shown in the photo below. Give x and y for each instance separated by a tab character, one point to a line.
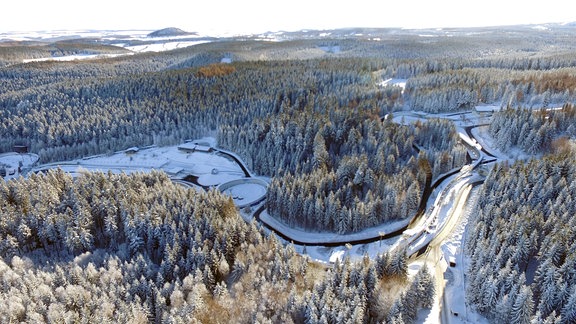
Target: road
434	256
453	217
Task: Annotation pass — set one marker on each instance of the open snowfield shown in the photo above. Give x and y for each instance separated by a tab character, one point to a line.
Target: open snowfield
211	168
121	38
82	33
153	47
69	58
394	82
163	46
11	162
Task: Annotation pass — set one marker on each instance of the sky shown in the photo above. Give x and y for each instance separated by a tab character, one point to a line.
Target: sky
255	16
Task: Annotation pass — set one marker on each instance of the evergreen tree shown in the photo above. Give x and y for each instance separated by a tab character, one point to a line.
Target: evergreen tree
522	309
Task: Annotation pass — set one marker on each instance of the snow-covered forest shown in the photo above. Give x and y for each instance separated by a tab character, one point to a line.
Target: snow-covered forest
319	125
523	266
535	131
118	248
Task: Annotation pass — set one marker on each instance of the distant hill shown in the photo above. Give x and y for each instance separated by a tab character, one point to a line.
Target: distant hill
170	31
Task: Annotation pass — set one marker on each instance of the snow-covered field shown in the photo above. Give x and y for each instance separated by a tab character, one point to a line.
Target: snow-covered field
82	33
121	38
69	58
14	163
163	46
211	168
395	82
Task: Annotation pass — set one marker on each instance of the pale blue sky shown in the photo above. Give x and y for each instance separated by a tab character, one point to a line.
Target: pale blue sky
260	15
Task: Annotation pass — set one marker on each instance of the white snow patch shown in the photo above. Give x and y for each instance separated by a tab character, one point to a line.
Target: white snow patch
355	253
246	191
14	163
395	82
488	108
336	255
166	46
470	141
211	168
484	139
76	57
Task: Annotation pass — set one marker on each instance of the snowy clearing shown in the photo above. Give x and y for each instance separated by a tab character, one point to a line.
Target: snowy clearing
211	168
77	57
14	164
164	46
394	82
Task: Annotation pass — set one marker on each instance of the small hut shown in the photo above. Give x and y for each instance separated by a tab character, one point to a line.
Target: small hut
20	148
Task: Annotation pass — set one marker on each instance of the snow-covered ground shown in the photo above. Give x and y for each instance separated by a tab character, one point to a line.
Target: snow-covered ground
82	33
152	47
454	298
245	191
77	57
164	46
211	168
15	163
483	137
395	82
355	253
108	35
121	38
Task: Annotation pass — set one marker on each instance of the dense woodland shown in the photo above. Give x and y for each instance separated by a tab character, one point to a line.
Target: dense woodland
534	131
464	88
372	176
138	248
316	119
523	265
118	248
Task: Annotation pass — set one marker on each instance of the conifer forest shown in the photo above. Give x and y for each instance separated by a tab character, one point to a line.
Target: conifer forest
365	139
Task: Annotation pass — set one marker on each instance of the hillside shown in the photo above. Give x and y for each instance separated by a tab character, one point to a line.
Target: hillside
170	31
